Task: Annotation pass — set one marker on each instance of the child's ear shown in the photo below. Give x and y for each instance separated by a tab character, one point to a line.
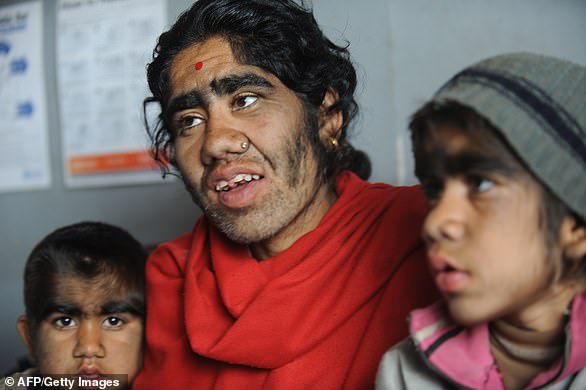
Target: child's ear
330	123
24	332
573	238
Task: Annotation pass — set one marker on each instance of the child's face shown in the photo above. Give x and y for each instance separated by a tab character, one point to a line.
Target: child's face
89	332
485	245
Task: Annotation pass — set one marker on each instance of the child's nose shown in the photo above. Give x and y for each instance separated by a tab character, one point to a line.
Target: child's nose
89	340
446	221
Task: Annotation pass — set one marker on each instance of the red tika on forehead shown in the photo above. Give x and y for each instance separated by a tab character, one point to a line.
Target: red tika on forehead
198	65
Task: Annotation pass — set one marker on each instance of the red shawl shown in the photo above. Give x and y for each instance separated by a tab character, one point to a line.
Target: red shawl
318	315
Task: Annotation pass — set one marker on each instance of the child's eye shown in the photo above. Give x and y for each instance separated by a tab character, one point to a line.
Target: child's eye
113	322
64	322
480	183
242	102
432	189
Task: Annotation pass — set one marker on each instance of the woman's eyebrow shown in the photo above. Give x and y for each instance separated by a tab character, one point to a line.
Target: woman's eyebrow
231	83
222	86
185	101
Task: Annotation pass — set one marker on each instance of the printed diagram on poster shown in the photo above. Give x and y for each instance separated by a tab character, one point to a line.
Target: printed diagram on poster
102	51
24	151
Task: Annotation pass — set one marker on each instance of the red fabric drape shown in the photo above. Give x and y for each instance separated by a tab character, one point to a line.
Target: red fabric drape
318	315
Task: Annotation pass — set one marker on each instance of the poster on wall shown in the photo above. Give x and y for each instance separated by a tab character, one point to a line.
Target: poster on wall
103	47
24	150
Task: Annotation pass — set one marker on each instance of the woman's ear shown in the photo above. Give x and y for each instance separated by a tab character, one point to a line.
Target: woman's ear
330	123
573	238
24	332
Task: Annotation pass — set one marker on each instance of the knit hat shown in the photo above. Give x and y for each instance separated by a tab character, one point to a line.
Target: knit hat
538	103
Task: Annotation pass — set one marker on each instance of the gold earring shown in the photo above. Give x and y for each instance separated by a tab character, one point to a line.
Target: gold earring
335	143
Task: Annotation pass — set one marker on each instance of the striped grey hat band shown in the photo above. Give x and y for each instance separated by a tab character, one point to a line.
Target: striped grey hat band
536	102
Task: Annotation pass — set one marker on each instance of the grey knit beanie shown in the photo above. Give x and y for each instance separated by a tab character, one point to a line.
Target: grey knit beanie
539	104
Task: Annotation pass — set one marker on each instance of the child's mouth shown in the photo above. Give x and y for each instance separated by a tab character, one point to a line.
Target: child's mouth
448	278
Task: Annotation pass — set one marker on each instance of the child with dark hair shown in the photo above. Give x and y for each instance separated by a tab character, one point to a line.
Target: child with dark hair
84	300
501	154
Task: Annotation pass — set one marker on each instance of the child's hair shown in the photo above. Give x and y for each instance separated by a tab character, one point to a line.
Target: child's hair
87	250
536	106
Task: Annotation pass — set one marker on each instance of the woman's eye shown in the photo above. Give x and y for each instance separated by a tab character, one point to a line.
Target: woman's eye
64	322
244	101
113	322
189	121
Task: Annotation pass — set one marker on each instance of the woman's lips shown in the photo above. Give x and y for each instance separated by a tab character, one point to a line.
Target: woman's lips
241	196
236	186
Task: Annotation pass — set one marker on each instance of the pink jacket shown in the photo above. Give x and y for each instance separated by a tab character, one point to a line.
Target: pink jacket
461	356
